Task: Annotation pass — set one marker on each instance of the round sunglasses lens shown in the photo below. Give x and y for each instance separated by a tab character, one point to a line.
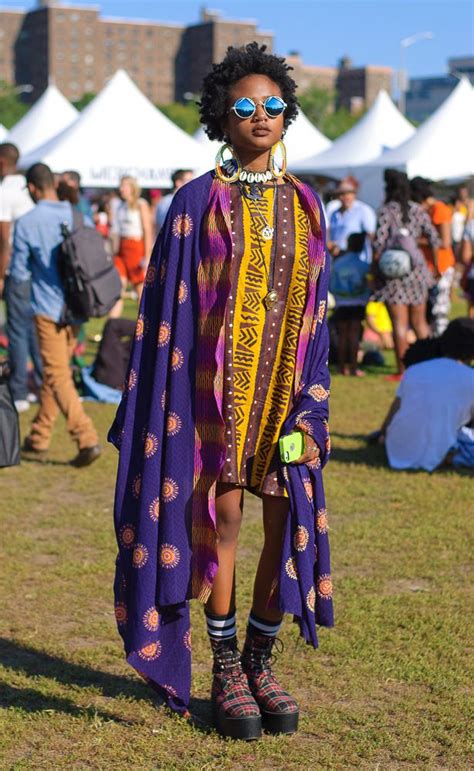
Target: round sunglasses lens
274	106
244	108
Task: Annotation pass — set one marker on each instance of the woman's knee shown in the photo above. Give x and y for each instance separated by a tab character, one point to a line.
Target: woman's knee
228	521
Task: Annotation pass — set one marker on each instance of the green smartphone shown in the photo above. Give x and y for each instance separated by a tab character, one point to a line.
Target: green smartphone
291	447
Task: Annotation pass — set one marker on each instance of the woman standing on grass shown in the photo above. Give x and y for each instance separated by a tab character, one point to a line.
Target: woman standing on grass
134	231
405	297
230	353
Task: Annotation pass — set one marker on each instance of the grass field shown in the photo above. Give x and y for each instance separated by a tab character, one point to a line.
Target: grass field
389	687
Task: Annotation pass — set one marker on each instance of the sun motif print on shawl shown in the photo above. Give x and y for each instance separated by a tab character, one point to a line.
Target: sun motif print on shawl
182	226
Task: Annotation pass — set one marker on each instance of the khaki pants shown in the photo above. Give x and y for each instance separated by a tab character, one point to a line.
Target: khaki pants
58	393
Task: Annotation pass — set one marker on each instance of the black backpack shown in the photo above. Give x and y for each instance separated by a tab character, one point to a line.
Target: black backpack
91	282
9	426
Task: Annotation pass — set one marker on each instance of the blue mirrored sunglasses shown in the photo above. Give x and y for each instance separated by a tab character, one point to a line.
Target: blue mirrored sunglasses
245	107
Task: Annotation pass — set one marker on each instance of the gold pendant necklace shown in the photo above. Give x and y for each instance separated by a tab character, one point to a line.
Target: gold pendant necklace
271	298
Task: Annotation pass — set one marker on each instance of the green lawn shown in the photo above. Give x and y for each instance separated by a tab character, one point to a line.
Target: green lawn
388	688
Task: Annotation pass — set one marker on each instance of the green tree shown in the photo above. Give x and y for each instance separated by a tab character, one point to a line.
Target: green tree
11	106
186	116
318	105
85	99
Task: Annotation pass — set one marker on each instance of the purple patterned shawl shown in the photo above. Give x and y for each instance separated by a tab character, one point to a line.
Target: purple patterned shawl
169	430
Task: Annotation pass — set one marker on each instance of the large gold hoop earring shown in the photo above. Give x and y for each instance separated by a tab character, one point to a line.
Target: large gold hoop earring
227	169
277	159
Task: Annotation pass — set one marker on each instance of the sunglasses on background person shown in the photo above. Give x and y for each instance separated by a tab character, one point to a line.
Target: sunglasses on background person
245	107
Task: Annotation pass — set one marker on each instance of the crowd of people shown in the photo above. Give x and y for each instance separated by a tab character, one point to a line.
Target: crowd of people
371	313
227	381
439	238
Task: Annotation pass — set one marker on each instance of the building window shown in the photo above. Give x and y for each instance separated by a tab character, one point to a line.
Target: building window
89	85
88	59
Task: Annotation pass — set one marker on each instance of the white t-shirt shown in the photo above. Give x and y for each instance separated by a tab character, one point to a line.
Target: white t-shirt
15	199
129	221
437	399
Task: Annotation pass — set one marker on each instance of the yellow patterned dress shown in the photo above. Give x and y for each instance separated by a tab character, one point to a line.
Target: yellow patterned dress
260	351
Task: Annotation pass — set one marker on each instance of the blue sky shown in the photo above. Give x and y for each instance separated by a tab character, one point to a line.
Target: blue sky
368	31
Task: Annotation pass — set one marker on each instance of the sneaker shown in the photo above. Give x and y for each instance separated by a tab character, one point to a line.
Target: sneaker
22	405
32	398
279	710
234	709
86	456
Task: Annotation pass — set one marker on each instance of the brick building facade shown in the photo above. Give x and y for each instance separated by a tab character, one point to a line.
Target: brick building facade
78	50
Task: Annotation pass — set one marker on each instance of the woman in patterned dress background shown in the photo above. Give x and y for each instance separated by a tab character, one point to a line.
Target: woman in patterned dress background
260	359
406	297
230	353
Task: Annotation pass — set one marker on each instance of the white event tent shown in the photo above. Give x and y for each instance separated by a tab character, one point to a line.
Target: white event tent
120	132
301	140
381	128
49	115
3	133
441	149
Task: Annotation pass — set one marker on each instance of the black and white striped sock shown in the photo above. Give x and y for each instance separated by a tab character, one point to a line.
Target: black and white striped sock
221	627
258	626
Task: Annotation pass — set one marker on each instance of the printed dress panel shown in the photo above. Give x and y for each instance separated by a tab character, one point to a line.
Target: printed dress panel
261	344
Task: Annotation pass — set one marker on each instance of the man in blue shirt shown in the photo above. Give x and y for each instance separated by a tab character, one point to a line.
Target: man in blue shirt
352	216
36	244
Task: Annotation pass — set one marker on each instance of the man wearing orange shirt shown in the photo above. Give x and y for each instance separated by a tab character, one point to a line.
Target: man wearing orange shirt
443	271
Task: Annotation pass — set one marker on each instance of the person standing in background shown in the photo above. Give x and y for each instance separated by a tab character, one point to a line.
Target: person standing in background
178	178
457	227
443	271
36	244
349	286
134	233
73	179
22	341
467	256
405	297
351	216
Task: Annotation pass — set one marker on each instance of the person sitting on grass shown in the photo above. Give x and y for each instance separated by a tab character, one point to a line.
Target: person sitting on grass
350	289
430	422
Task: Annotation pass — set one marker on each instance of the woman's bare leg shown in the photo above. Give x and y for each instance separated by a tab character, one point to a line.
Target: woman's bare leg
342	344
419	322
229	500
139	289
275	512
355	329
116	311
399	317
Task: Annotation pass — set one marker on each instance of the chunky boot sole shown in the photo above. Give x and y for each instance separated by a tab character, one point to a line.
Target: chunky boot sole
246	728
280	723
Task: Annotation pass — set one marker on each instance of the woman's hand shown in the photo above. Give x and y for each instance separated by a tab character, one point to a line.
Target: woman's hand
311	450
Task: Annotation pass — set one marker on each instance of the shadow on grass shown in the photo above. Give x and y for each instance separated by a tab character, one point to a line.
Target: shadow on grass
375	457
33	663
45	461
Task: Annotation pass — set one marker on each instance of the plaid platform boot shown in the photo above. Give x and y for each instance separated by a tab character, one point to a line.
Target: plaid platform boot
278	709
235	712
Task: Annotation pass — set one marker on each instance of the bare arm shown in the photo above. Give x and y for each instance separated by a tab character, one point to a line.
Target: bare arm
445	234
394	407
147	228
4	250
466	251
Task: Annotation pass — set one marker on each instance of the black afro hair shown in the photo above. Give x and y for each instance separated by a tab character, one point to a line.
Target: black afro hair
251	59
